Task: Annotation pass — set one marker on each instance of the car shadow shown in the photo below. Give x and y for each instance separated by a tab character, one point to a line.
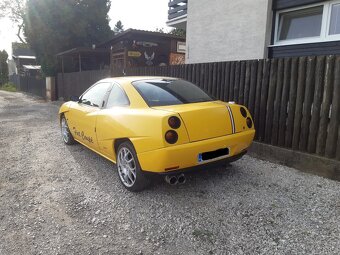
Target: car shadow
103	173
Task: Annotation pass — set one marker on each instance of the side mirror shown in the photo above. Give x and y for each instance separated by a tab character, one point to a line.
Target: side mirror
74	98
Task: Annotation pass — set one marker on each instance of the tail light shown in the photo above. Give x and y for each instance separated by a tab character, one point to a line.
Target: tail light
174	122
249	123
243	112
171	136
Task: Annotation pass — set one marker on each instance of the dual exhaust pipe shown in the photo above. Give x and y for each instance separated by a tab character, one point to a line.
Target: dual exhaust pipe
175	179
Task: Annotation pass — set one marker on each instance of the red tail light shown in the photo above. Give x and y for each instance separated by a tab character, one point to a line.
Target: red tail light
249	123
171	136
243	112
174	122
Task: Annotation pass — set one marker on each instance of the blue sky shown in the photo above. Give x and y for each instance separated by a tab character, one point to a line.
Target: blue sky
146	15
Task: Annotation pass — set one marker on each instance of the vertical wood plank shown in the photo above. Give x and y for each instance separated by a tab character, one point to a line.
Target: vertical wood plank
277	102
187	72
242	82
214	80
333	129
307	105
252	87
232	81
206	77
270	100
337	156
299	102
318	93
210	77
290	66
291	108
264	97
182	71
237	81
222	80
257	104
226	81
198	75
218	80
193	74
247	84
325	106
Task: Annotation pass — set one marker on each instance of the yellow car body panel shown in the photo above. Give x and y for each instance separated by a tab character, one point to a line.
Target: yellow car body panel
206	127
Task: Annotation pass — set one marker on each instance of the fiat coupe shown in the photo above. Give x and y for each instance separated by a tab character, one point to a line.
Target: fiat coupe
156	125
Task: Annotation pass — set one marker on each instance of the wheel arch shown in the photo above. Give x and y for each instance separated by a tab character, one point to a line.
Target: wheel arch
118	142
64	109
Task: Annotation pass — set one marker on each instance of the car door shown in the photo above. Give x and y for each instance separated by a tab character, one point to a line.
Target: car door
83	115
108	122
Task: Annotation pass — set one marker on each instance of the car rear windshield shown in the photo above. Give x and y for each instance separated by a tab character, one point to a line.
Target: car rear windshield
162	92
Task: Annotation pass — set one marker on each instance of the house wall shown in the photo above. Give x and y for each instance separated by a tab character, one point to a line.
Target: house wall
222	30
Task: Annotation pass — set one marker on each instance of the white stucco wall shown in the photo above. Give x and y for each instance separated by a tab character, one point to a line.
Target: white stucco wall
223	30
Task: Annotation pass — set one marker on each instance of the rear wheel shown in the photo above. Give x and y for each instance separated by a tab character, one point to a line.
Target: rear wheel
129	170
65	132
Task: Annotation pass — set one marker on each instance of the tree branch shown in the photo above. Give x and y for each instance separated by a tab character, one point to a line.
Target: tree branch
19	32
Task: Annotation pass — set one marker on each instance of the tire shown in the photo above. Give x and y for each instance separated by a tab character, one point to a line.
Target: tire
129	170
65	132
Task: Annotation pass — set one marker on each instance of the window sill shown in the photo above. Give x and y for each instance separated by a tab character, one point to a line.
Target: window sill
303	42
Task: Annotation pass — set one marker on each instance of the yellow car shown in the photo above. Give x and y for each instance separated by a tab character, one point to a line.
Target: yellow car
156	125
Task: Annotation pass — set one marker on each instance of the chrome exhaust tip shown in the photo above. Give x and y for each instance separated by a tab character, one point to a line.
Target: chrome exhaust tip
171	179
181	179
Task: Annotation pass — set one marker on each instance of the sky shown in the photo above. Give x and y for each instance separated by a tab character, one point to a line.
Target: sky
146	15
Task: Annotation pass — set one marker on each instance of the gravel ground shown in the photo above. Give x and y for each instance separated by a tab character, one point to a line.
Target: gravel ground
57	199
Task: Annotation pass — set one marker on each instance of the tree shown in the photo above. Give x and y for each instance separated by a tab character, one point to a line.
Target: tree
118	27
15	11
54	26
160	30
3	67
179	32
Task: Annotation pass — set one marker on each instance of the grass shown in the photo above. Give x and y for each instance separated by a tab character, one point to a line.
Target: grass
8	87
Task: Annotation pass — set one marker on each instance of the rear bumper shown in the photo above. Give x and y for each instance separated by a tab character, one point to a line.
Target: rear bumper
181	157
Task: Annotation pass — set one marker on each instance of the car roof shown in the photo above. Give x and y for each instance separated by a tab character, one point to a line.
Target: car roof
129	79
136	100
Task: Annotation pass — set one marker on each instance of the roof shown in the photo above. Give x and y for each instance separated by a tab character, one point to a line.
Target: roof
20	49
79	50
32	67
24	57
133	32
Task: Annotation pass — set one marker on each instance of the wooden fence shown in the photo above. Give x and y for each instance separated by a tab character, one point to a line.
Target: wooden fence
30	84
295	102
74	84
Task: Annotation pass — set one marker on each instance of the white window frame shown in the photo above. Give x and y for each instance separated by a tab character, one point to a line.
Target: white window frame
325	25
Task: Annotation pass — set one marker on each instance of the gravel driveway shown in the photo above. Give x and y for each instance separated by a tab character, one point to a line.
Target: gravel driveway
57	199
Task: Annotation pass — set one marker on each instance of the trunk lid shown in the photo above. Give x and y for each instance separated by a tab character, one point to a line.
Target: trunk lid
202	120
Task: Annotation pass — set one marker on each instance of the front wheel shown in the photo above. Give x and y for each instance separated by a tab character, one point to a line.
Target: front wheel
129	170
65	132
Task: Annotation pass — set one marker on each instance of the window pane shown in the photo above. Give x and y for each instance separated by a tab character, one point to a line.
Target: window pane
301	23
95	95
162	92
334	27
117	97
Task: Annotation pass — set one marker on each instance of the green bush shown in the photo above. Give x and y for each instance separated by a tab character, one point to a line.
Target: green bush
9	86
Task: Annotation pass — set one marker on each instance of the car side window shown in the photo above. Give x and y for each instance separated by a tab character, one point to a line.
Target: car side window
117	97
95	95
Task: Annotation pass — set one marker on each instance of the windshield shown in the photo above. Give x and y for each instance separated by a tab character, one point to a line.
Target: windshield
162	92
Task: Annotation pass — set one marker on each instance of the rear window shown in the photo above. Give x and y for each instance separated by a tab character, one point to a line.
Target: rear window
162	92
